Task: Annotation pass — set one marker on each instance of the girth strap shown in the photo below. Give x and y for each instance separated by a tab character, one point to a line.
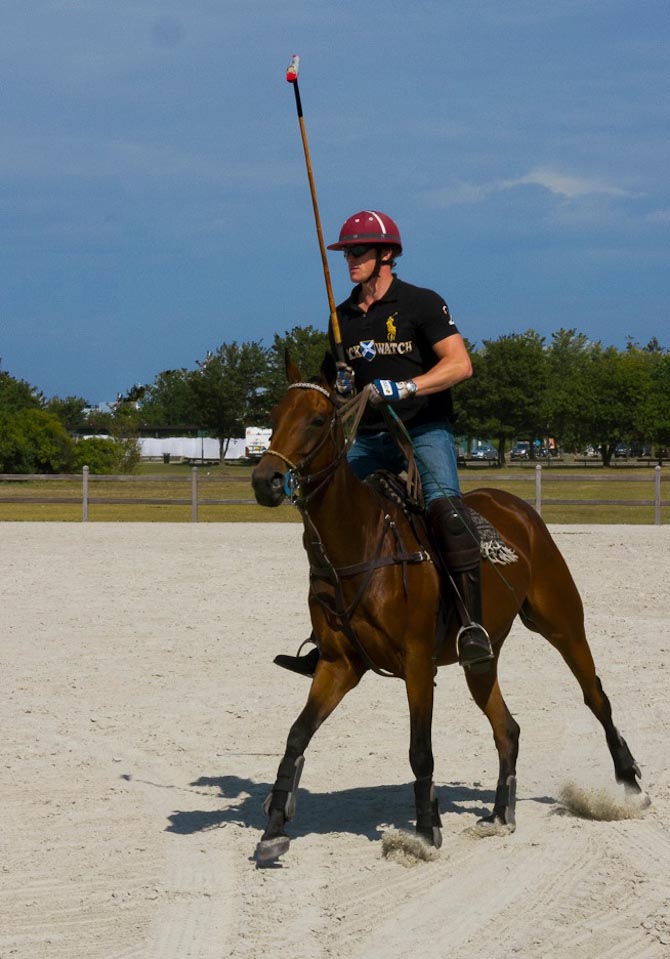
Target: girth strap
418	557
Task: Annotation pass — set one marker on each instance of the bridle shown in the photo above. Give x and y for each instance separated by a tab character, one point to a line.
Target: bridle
300	486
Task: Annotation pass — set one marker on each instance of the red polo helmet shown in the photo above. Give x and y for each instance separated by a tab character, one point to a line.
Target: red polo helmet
368	226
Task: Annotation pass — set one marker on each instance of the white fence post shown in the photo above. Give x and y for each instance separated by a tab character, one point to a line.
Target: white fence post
657	496
84	495
538	489
194	494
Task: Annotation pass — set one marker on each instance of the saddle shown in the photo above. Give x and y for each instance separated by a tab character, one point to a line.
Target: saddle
392	487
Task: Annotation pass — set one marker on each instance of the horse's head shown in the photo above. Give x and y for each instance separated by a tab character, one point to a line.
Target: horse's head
305	435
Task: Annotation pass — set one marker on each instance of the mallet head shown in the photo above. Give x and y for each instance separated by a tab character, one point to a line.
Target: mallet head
292	69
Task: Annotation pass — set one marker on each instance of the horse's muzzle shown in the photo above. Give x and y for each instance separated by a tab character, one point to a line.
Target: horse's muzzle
268	485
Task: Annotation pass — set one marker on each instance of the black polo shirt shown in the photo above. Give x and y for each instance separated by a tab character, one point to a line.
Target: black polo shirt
394	341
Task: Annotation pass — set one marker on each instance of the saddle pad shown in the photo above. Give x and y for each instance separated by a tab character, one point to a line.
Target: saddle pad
493	547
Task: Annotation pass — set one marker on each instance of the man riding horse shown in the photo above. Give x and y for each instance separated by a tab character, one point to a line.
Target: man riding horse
402	345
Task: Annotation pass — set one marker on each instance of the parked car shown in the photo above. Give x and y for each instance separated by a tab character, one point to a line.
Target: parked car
621	451
484	451
520	451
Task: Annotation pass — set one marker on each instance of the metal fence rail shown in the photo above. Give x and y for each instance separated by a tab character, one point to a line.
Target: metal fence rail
195	499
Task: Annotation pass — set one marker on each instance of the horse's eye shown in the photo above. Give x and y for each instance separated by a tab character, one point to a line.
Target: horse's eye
319	421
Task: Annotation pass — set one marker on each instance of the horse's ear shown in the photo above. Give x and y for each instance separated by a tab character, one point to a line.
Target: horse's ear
293	374
328	369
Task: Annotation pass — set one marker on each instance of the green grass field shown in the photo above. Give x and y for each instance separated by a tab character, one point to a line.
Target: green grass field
137	498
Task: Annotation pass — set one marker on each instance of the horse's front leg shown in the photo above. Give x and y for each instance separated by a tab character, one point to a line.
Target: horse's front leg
332	681
419	673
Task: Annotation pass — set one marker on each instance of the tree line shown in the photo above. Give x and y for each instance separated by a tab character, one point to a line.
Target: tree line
524	387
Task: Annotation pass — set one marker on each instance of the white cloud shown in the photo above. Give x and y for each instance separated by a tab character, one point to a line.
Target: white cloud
562	184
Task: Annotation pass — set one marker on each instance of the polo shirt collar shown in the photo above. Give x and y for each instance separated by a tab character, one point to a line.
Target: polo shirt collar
390	296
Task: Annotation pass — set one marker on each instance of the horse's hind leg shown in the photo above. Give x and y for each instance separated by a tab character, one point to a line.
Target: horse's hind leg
332	681
486	693
557	613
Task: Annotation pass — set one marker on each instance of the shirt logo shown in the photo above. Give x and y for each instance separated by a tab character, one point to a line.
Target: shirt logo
368	350
445	310
391	328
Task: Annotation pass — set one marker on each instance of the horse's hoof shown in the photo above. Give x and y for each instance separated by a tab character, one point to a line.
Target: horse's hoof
633	790
494	825
431	836
267	850
635	794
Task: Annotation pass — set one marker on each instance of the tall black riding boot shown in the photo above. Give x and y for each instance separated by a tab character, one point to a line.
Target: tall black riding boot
457	539
305	665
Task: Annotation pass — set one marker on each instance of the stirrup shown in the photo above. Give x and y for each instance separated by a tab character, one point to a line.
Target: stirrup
474	647
304	665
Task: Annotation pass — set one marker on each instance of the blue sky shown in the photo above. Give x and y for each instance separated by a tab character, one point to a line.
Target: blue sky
154	199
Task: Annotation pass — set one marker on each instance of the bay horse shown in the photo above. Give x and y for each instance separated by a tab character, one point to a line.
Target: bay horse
375	603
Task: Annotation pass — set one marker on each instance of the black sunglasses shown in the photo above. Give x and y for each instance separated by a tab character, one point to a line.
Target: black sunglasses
357	250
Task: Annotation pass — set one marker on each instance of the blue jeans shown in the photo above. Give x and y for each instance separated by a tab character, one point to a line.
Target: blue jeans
435	453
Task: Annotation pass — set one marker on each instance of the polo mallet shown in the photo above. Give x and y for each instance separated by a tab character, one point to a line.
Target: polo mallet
292	78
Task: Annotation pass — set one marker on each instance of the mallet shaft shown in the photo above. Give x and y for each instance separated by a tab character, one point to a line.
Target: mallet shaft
292	78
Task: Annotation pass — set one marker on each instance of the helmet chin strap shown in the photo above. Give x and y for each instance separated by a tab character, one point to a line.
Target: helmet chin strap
379	263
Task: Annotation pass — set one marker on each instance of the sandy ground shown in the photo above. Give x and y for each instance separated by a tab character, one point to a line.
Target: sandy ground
143	721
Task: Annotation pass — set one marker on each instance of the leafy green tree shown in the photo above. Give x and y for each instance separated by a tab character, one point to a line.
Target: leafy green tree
505	398
619	403
639	365
229	389
124	429
568	396
170	400
71	411
34	441
101	455
659	402
18	395
99	421
13	452
307	346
